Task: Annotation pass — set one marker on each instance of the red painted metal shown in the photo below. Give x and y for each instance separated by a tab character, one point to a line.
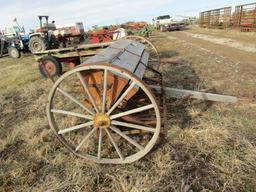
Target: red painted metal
103	36
245	17
134	25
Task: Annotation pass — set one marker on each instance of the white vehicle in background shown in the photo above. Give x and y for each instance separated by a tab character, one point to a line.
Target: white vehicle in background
162	21
166	23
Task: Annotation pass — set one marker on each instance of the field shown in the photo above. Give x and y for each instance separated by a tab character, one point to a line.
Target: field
207	146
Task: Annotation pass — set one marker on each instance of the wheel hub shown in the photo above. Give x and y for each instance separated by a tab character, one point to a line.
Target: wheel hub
13	53
102	121
37	46
50	68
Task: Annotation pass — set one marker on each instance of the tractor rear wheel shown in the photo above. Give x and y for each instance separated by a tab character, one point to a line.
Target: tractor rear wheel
14	52
49	67
37	44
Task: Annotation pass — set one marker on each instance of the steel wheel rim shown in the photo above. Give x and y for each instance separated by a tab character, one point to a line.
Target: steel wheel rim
37	46
118	70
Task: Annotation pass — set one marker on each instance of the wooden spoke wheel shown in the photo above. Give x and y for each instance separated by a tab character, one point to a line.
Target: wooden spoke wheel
117	118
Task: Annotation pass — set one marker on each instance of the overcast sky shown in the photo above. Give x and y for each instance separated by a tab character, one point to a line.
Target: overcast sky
102	12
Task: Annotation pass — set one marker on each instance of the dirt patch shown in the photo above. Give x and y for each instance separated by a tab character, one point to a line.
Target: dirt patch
246	37
221	68
248	47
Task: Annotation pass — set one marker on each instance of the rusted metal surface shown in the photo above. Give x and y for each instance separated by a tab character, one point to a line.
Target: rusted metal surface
245	17
216	18
105	35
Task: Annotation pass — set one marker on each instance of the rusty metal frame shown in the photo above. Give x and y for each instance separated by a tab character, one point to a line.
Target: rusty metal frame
216	18
245	17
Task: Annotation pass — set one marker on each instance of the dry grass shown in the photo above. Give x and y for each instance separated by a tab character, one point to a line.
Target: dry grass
207	147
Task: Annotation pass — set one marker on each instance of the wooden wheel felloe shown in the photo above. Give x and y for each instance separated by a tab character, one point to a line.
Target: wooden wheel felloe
115	118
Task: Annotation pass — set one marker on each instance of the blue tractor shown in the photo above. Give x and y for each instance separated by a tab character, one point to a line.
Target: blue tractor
18	40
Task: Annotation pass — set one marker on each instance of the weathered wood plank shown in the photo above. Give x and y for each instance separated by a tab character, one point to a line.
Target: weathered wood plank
79	47
124	65
109	54
71	54
136	48
181	93
130	59
145	58
142	66
124	50
127	54
121	44
124	53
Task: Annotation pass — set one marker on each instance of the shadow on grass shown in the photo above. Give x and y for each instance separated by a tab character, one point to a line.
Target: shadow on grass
179	73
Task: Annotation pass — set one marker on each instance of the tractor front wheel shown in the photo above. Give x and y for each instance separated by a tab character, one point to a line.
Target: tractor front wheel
37	44
14	52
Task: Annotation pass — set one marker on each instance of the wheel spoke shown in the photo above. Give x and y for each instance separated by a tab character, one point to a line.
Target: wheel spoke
115	145
76	127
127	138
133	126
121	98
75	100
72	114
137	110
85	139
105	90
100	144
88	91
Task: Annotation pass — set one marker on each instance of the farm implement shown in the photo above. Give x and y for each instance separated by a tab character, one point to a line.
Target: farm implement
54	60
103	109
110	109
